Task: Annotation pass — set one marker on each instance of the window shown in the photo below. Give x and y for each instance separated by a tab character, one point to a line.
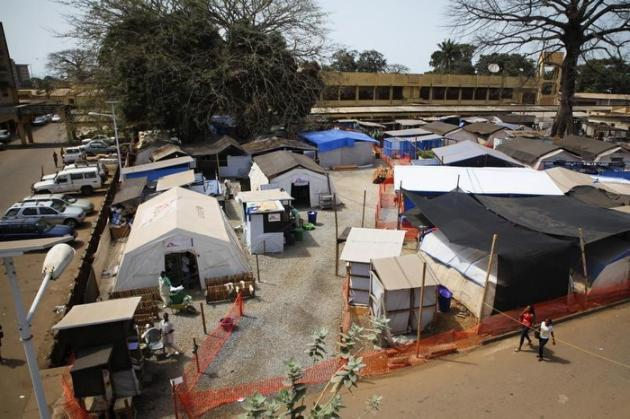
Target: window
452	93
76	176
549	72
347	93
366	93
12	212
494	93
61	179
90	175
468	93
47	211
529	97
547	89
29	211
425	92
438	92
481	93
507	93
382	93
331	93
397	92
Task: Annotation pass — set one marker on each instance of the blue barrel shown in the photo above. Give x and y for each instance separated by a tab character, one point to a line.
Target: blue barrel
444	299
312	217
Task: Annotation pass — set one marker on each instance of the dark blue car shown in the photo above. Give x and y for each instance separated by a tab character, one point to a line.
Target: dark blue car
25	229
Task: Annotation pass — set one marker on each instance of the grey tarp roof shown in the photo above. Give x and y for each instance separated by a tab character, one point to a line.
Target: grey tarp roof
130	189
278	162
587	148
483	128
465	150
365	244
224	143
439	127
266	145
402	272
527	150
593	195
559	216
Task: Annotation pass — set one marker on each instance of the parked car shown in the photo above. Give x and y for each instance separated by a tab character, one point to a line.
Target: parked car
55	118
84	204
103	171
5	135
40	120
98	147
28	228
72	154
54	212
84	180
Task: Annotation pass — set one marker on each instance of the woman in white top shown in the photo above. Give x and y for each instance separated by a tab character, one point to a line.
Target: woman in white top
168	335
546	331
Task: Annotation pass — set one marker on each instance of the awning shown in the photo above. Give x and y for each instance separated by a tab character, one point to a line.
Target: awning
109	311
130	189
365	244
174	180
402	272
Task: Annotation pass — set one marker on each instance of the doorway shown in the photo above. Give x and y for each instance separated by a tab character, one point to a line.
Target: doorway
182	269
301	194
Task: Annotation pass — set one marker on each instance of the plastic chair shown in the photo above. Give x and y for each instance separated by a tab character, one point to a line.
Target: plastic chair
153	338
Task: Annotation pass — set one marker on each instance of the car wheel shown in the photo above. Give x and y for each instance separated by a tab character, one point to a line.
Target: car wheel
87	190
70	222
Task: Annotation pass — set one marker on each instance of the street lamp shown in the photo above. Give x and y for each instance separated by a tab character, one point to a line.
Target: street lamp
113	117
56	261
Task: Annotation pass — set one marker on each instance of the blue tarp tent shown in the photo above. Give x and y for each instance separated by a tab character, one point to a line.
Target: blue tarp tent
338	147
408	146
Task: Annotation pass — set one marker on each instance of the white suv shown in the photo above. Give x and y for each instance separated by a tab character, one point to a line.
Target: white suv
83	179
72	154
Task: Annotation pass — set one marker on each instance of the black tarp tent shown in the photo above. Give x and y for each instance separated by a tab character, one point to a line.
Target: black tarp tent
532	267
598	197
559	216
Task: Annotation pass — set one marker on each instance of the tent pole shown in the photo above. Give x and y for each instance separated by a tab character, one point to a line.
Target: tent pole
257	269
363	212
419	326
400	195
217	157
487	281
584	270
336	235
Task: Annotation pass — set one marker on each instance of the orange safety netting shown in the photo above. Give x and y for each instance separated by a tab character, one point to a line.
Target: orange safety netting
71	406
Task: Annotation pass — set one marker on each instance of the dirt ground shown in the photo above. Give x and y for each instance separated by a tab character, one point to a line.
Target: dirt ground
20	168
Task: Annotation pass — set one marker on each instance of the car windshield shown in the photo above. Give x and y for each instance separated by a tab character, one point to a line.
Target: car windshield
69	199
43	225
59	206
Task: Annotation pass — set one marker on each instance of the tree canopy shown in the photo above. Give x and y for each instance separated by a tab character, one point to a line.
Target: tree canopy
608	75
176	63
73	65
509	64
453	58
368	61
578	28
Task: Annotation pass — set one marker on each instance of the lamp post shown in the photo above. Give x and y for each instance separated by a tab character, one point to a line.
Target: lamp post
113	117
56	261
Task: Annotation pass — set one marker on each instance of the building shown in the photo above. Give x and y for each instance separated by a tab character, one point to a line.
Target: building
21	74
226	156
471	154
8	91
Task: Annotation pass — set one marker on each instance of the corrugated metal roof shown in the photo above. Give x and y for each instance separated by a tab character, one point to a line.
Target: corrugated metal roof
267	145
465	150
157	165
174	180
278	162
527	150
439	127
365	244
587	148
483	128
219	146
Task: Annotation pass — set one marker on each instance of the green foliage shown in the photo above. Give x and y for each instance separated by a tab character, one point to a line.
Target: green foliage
293	397
604	76
348	341
348	375
368	61
259	407
509	64
330	410
379	327
374	403
426	154
317	348
453	58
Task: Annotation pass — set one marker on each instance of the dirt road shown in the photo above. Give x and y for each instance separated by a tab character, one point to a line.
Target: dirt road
496	382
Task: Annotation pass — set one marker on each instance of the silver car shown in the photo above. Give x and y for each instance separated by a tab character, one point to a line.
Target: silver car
50	211
62	199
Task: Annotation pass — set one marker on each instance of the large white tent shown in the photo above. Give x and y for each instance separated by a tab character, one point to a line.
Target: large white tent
179	221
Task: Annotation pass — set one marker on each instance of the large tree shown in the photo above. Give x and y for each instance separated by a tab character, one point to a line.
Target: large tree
176	63
509	64
73	65
604	76
368	61
453	58
576	27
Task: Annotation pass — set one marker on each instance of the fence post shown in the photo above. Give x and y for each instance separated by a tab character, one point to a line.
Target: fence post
203	318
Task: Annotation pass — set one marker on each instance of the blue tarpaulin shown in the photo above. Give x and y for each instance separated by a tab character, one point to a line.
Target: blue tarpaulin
333	139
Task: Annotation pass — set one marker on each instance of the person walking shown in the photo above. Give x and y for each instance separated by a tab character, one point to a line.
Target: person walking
527	320
546	332
168	335
55	158
164	283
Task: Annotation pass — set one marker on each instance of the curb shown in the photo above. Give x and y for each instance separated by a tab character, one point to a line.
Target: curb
558	320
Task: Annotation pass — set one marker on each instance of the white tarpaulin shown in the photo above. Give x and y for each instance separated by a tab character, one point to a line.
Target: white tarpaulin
179	221
477	180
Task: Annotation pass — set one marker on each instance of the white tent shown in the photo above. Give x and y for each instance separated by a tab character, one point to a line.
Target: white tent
478	180
179	221
362	246
395	288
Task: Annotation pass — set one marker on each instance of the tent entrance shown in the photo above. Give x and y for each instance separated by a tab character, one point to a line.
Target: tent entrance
182	269
301	194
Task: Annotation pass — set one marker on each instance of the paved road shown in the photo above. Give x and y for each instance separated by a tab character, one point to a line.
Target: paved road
496	382
18	170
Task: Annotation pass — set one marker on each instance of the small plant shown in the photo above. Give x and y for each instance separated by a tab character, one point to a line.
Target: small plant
317	349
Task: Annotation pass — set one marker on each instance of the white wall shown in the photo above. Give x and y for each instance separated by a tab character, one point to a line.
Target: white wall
237	166
257	178
317	183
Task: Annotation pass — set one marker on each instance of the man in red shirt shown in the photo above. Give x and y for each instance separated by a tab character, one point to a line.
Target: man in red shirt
528	320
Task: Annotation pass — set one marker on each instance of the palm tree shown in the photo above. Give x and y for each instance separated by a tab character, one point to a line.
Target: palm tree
452	58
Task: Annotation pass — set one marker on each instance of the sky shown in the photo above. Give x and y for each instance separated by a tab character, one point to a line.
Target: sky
405	31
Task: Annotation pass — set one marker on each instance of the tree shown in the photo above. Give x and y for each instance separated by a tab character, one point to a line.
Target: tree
176	63
510	64
45	85
604	76
453	58
368	61
74	65
576	27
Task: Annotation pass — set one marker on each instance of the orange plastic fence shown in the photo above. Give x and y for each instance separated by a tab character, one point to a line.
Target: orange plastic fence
71	407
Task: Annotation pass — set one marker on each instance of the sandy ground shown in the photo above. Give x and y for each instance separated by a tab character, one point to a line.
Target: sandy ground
19	169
